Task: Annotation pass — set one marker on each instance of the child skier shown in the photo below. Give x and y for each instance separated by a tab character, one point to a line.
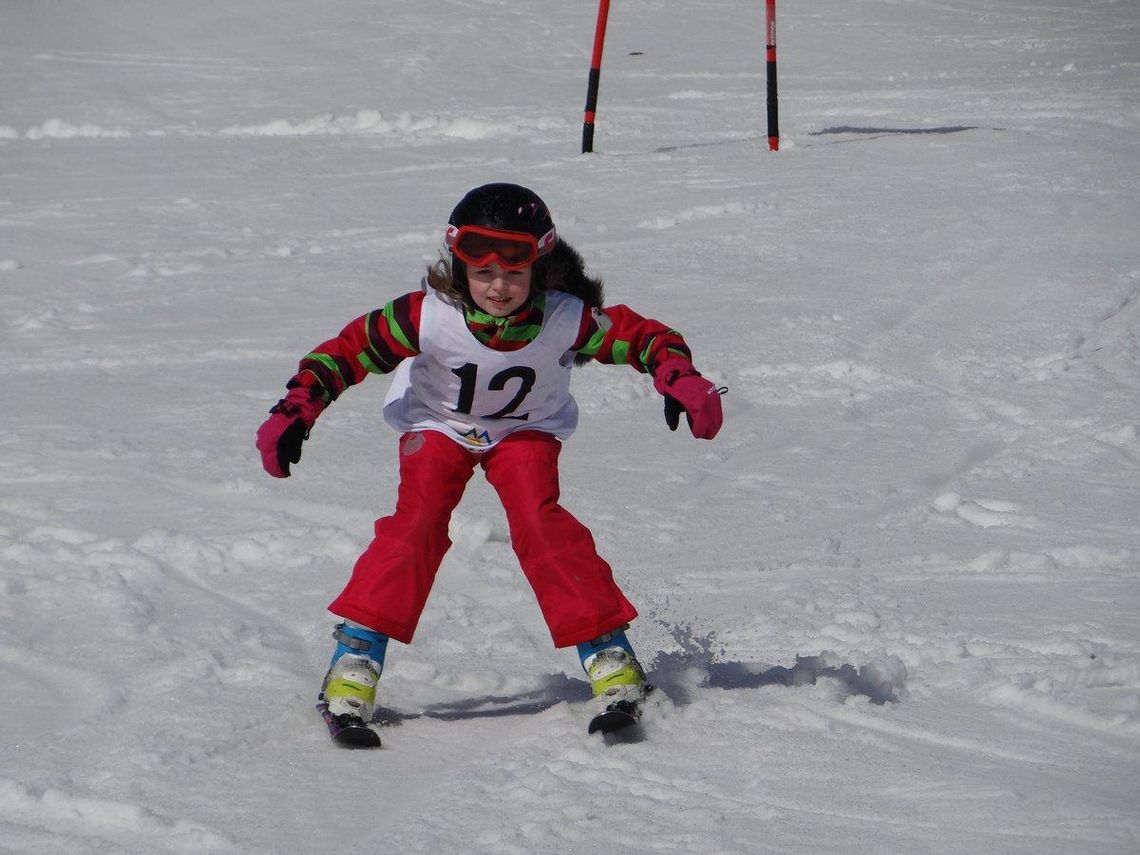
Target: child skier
482	356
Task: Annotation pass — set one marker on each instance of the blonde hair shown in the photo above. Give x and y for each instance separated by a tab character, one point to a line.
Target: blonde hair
440	277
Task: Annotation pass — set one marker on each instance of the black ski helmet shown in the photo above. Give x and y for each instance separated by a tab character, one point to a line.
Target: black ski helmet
508	207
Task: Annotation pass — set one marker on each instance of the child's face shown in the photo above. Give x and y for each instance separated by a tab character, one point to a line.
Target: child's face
497	291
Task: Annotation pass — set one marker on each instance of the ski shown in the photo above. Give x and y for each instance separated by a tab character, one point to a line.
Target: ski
619	715
348	731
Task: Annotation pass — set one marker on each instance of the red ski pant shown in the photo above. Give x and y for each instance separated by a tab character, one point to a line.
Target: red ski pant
391	581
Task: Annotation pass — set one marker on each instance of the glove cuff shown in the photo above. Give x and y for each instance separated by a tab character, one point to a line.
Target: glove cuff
302	402
669	370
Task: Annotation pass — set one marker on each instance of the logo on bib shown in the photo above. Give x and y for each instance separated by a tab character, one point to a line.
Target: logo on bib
476	437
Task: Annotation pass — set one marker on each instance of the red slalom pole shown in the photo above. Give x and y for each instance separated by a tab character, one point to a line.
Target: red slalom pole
773	101
595	77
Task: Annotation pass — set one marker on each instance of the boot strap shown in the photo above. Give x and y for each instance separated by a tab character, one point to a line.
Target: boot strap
351	641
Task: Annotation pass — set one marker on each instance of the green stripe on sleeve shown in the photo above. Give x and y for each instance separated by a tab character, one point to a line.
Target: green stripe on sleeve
327	361
394	327
368	364
621	352
591	347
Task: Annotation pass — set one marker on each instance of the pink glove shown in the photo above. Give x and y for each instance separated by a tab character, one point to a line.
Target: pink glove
685	389
279	439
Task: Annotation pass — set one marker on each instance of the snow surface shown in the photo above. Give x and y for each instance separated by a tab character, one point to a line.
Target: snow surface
894	605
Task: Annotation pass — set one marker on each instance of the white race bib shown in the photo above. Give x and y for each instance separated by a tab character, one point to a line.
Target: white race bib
476	395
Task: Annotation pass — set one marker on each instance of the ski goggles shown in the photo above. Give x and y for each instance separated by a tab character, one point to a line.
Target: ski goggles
479	246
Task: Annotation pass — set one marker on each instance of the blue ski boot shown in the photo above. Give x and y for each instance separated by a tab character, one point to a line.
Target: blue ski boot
350	685
617	679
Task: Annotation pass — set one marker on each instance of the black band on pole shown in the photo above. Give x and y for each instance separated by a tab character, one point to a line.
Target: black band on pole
773	109
773	101
594	78
591	109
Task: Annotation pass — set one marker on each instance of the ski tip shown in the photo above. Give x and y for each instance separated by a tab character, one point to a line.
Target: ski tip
361	736
611	721
348	731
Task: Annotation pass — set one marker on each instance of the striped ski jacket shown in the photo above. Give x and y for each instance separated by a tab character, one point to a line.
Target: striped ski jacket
376	342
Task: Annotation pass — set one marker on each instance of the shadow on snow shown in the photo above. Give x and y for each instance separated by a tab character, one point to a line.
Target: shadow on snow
680	674
879	683
849	129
